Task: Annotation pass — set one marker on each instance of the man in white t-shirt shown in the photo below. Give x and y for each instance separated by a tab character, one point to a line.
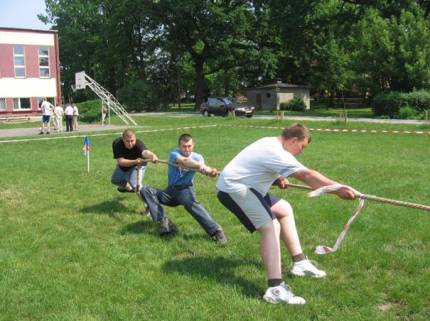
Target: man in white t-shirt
243	188
69	117
58	117
46	109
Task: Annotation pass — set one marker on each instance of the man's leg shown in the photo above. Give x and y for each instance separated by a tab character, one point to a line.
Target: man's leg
253	211
120	179
132	180
301	265
285	216
187	198
153	198
48	124
270	250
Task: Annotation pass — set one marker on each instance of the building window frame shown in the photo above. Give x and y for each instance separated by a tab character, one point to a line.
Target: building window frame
18	104
18	56
45	67
2	104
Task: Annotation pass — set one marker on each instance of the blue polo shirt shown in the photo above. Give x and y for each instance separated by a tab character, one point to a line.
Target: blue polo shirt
180	176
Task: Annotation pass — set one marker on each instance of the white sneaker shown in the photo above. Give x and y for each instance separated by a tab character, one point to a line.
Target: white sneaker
306	268
282	294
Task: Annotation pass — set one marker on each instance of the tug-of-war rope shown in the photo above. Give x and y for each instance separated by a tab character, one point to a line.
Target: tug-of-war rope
324	249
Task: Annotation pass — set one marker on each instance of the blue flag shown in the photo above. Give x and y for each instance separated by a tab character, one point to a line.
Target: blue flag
86	147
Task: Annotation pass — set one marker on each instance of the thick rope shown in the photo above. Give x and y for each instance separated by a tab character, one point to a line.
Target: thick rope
373	198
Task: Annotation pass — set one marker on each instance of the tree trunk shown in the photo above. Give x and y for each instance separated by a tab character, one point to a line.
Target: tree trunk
200	83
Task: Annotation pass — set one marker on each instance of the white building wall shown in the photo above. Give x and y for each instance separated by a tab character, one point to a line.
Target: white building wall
28	87
26	38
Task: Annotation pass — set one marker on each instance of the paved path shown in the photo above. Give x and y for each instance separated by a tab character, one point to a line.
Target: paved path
21	132
288	117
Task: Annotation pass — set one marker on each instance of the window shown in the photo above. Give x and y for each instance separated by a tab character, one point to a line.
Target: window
44	62
268	95
39	102
2	104
21	103
19	61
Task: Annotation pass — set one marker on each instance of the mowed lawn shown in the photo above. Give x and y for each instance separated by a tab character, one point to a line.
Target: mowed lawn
73	248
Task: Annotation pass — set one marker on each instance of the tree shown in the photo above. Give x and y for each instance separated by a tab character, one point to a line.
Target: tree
204	29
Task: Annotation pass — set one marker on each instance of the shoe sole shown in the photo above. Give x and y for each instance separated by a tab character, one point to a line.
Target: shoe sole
272	301
307	273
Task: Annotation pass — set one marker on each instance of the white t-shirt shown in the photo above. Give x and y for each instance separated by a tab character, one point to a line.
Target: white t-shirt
69	110
75	110
58	111
46	108
258	166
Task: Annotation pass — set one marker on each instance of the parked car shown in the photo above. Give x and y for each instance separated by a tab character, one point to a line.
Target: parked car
222	106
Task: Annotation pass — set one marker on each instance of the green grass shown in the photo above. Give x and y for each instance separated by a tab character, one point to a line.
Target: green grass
72	248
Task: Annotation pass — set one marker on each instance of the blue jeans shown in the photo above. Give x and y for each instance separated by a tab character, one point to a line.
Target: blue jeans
120	176
174	196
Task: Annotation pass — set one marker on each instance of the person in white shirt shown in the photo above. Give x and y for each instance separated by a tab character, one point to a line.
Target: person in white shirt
69	118
46	109
243	188
58	116
75	116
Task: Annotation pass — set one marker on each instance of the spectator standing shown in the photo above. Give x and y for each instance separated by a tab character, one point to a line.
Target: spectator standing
58	115
75	116
69	118
46	108
104	113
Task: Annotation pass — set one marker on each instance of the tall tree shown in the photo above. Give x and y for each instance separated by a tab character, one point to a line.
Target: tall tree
206	30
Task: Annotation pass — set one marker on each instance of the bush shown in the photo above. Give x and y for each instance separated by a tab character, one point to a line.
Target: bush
407	112
90	111
387	104
419	100
295	104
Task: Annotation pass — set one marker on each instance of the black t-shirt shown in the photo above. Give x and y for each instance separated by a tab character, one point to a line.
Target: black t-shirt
119	150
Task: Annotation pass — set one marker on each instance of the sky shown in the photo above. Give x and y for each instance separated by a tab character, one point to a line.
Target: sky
22	14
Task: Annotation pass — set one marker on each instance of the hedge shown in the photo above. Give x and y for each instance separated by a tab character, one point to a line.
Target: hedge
389	104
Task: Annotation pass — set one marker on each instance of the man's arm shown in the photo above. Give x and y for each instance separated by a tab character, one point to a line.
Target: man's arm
123	162
150	156
201	167
316	180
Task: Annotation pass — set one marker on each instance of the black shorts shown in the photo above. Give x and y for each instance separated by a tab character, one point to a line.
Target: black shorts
250	207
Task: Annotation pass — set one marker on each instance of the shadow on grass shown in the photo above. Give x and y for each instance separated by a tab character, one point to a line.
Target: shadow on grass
111	208
219	268
139	227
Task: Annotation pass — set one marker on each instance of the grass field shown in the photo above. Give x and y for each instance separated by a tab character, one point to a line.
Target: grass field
73	248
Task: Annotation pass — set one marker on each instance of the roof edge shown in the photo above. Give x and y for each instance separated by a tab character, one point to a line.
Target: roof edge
27	30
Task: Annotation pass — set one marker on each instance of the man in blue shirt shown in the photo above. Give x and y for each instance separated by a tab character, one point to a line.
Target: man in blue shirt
183	164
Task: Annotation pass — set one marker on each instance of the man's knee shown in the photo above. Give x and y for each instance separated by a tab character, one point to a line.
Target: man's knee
282	209
116	180
148	192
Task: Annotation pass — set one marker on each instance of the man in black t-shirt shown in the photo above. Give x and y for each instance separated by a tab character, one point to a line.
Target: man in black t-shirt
130	154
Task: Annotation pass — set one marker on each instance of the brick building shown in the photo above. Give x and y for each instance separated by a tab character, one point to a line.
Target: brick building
29	70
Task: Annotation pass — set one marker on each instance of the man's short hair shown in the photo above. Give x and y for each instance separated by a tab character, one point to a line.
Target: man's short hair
128	133
296	131
184	138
